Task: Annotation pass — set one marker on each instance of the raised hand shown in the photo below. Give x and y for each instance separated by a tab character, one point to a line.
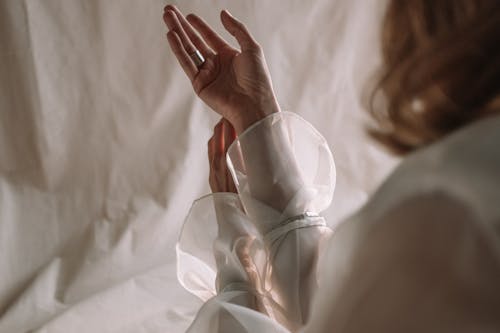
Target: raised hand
234	83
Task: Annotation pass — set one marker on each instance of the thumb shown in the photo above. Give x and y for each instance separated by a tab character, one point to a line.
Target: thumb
239	31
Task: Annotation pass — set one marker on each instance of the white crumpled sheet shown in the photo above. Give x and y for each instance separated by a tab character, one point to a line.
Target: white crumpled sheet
103	147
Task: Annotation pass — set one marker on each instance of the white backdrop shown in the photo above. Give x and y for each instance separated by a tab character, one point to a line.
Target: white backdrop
103	147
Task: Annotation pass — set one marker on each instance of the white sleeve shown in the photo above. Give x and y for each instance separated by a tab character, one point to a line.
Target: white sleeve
426	263
256	267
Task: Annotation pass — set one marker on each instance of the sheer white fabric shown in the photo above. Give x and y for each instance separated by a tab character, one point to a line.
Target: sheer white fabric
284	155
422	255
282	168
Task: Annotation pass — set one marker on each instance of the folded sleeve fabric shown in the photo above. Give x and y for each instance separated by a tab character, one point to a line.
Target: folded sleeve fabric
252	256
425	263
421	255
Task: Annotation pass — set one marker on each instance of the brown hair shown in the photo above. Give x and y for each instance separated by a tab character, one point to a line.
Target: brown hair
441	69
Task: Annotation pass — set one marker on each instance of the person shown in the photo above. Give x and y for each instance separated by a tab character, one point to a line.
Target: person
423	254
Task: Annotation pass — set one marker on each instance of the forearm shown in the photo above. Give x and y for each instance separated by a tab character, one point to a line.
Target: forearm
272	179
283	193
293	275
272	184
258	152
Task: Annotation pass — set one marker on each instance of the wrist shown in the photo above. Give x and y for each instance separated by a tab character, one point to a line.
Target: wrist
246	118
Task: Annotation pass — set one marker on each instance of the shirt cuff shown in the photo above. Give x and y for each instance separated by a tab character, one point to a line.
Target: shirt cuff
218	248
282	167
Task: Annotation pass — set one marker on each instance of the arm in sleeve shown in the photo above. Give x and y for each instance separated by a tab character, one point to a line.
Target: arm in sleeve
285	175
267	243
219	263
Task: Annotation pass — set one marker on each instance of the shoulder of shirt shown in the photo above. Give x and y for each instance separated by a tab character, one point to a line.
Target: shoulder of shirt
464	167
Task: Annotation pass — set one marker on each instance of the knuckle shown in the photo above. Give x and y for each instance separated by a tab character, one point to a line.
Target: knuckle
257	50
240	26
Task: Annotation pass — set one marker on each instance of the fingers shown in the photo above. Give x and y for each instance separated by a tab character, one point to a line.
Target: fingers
212	181
224	136
217	165
182	56
173	23
216	144
228	133
211	149
190	39
190	32
209	35
239	31
219	139
220	178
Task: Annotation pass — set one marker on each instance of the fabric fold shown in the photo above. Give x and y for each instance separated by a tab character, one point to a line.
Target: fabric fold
215	237
257	250
282	167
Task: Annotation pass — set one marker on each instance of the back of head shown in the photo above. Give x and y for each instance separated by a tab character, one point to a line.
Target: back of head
441	69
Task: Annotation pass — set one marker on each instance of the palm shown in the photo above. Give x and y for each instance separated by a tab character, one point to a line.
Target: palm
228	81
233	83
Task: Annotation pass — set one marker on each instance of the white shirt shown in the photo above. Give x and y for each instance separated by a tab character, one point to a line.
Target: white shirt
422	255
